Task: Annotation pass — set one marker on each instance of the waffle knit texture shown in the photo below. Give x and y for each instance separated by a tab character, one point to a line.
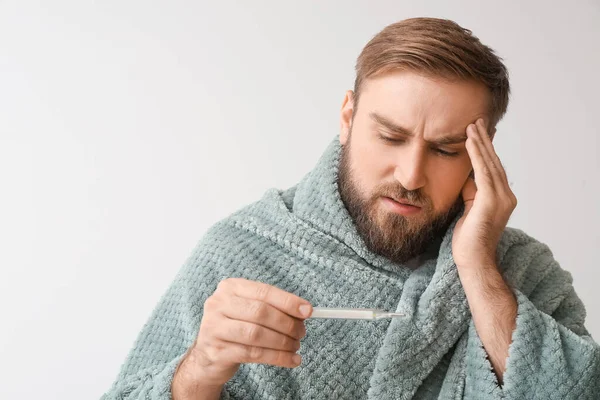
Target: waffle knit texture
303	240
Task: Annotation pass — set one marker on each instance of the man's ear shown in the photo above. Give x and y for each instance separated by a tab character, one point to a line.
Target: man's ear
492	133
346	116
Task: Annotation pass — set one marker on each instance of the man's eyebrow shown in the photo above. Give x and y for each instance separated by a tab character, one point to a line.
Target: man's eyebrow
444	140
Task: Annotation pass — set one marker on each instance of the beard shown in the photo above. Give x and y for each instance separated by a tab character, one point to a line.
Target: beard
394	236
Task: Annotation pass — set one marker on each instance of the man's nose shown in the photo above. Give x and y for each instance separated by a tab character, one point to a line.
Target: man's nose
410	171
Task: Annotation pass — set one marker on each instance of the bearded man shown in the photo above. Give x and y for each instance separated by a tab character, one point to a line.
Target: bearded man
405	211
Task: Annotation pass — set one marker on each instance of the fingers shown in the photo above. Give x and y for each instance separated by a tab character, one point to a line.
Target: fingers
264	314
278	298
482	172
239	353
255	335
249	321
484	159
493	156
486	163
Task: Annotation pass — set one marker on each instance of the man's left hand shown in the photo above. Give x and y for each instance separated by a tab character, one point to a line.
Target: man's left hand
489	202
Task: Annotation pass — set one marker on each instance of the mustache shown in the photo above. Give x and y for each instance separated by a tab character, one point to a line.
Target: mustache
399	192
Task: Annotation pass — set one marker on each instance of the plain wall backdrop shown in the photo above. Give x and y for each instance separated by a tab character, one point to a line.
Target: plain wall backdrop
127	128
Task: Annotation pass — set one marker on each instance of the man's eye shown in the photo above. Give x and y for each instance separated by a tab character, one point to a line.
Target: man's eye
439	151
389	139
446	153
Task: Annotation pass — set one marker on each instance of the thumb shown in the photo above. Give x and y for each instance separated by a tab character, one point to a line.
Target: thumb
468	194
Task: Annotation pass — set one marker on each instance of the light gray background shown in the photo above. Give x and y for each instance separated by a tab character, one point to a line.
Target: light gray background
128	128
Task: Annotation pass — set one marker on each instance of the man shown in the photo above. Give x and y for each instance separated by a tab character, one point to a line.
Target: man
405	211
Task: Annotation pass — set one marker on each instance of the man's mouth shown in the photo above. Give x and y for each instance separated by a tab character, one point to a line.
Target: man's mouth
401	208
404	202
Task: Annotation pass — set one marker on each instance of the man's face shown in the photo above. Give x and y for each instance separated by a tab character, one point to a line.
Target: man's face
379	163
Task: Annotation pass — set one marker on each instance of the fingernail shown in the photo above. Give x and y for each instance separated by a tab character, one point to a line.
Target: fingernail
305	310
296	359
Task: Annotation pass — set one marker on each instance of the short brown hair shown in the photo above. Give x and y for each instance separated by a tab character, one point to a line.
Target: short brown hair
435	48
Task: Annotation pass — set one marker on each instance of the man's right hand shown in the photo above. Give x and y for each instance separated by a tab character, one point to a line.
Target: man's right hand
244	322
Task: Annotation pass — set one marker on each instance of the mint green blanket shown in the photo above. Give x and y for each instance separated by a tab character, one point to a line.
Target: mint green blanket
303	241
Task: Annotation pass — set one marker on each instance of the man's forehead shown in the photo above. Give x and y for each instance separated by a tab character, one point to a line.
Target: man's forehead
446	135
407	99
